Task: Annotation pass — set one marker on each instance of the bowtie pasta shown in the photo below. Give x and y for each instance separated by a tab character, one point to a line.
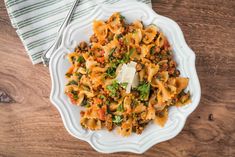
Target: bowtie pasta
92	78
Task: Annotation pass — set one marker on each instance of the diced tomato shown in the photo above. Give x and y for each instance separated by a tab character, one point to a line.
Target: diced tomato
100	59
101	114
102	52
71	69
70	95
98	101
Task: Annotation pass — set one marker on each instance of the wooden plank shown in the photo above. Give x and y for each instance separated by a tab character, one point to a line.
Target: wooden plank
31	126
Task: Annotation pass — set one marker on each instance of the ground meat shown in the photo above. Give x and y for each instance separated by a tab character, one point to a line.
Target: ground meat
139	130
152	57
157	49
117	54
163	52
177	73
135	93
130	28
103	42
123	49
171	71
132	40
138	50
83	46
164	66
108	122
93	39
172	63
82	113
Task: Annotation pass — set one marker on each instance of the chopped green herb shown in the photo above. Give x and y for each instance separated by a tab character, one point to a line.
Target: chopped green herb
73	59
134	103
134	115
87	88
118	36
111	71
88	71
126	57
73	82
131	51
113	88
146	103
122	17
160	55
126	42
124	84
152	50
134	31
117	119
120	108
75	97
68	74
107	102
108	110
79	75
85	103
80	59
144	90
112	51
102	96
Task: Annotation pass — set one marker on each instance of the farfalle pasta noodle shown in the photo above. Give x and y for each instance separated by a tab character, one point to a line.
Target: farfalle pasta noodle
93	82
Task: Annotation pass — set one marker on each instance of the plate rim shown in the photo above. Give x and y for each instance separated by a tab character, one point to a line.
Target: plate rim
91	136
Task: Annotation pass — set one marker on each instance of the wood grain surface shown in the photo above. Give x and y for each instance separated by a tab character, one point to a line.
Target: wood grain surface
31	126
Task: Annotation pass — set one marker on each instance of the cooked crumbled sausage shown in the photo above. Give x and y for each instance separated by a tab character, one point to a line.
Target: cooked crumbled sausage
82	113
164	67
108	122
83	45
157	49
93	39
172	63
171	71
152	57
139	130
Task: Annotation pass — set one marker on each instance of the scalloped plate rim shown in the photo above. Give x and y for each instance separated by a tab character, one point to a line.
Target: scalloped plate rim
89	136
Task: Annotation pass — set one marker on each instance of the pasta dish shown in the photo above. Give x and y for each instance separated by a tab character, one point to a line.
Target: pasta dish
125	78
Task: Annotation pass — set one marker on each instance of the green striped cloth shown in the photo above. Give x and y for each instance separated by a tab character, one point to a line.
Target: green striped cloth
37	21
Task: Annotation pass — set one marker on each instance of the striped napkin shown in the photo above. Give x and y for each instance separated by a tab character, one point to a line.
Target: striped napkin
37	21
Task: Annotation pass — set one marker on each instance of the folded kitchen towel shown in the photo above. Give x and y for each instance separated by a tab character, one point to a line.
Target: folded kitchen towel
37	21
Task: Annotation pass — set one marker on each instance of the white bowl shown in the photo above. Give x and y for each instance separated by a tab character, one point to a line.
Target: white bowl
108	142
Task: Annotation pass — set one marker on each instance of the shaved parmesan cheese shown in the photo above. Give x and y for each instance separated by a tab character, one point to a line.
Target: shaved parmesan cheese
128	75
135	82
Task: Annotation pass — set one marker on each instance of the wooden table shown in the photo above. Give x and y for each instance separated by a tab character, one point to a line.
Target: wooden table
31	126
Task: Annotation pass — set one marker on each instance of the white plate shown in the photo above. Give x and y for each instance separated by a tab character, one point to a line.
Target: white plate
108	142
